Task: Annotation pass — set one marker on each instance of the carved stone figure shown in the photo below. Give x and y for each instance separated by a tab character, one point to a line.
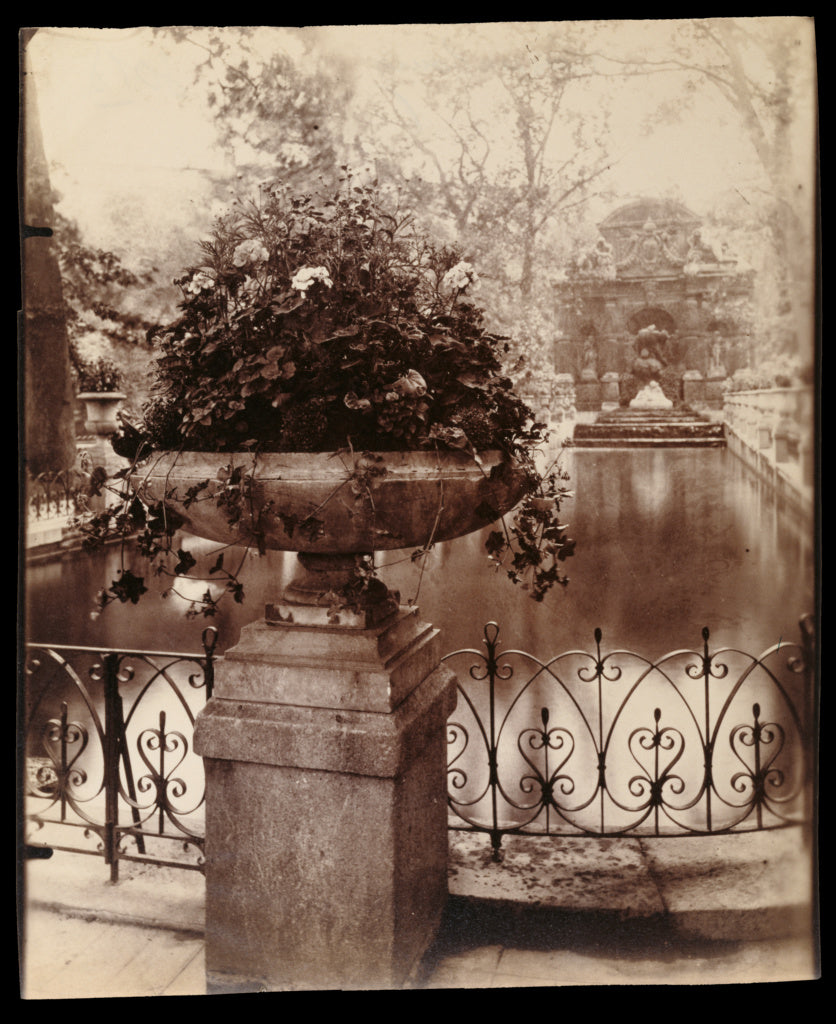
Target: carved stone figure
589	370
655	341
700	251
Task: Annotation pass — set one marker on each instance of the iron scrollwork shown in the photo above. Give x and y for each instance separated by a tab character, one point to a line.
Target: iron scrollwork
697	769
112	766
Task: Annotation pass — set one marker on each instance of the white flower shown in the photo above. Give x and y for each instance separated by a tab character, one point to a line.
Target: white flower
459	277
251	250
307	275
202	281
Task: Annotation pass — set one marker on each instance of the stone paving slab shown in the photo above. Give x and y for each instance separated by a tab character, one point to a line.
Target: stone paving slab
68	957
576	873
746	886
148	895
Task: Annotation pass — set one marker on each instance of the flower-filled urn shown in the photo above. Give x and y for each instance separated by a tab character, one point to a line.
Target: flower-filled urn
330	387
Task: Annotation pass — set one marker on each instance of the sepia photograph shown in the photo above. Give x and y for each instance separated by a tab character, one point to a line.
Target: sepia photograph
419	510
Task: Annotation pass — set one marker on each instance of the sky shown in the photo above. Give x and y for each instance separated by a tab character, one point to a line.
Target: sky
120	116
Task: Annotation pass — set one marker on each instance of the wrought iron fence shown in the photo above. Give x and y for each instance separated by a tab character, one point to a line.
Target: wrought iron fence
592	744
584	744
110	768
54	494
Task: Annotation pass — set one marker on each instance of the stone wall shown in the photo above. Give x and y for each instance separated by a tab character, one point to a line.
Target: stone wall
773	431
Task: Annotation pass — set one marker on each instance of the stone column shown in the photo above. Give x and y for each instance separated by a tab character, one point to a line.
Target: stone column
713	388
326	814
693	388
609	392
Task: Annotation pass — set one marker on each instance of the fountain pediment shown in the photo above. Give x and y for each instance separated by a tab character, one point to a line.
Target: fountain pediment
650	236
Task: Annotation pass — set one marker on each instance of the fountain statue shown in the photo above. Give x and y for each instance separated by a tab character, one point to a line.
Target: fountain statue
651	344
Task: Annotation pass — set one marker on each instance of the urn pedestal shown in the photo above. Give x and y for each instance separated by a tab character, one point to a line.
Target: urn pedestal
324	742
326	814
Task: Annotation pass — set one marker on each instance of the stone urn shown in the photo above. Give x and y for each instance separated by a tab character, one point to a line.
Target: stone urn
333	509
101	408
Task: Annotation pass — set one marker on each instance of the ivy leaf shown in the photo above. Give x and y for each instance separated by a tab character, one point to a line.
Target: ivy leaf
311	528
495	543
193	492
219	564
567	550
128	587
289	522
187	561
97	480
136	512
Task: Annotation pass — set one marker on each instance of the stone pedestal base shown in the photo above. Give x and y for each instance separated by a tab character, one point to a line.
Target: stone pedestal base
651	396
693	388
588	395
326	816
714	391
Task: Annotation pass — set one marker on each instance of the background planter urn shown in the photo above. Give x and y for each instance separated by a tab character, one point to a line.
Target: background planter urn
334	510
101	408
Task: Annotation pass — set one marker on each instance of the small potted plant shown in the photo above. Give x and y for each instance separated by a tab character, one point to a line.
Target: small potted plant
99	385
330	388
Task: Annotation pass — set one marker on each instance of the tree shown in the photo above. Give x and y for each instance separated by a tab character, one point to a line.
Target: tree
762	70
96	290
275	98
494	133
499	128
48	397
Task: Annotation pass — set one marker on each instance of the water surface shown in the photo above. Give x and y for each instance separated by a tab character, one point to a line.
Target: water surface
668	541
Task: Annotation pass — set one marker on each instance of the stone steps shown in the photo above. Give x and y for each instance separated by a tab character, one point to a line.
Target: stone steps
640	428
649	442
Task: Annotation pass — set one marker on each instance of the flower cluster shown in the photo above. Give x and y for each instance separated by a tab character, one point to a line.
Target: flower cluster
251	250
201	281
101	376
305	277
320	321
460	277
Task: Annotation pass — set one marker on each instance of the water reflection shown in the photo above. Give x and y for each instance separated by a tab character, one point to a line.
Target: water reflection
668	541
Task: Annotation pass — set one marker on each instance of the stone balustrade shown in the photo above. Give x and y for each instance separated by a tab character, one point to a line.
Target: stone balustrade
773	430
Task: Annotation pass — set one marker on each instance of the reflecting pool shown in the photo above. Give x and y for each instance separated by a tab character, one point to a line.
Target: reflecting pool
668	541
